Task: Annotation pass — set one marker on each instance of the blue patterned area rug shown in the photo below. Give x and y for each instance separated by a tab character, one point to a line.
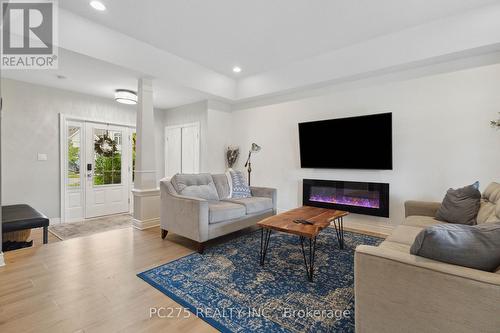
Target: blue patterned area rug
228	288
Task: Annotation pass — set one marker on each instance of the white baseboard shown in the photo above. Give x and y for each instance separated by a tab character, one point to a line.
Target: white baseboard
54	220
2	261
146	224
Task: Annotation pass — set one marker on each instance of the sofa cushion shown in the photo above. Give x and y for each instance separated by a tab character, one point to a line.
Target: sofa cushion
489	211
195	185
404	234
475	247
222	185
420	221
395	246
220	211
460	205
486	212
492	193
254	205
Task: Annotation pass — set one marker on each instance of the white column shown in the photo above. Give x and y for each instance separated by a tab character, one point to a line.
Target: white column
146	191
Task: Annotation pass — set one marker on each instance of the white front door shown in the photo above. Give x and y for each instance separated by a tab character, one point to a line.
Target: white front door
97	167
74	174
107	169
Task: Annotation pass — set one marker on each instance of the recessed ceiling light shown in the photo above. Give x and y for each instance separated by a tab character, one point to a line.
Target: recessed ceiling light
125	96
236	69
97	5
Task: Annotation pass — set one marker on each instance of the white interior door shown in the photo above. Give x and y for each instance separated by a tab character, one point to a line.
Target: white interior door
107	170
190	149
182	149
173	151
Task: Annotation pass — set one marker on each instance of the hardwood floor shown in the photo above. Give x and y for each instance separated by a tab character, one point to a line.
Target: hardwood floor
36	236
89	284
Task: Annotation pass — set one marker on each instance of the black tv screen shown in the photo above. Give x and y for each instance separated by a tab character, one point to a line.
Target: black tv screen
347	143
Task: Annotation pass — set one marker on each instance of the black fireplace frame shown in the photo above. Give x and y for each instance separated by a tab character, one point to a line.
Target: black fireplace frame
383	188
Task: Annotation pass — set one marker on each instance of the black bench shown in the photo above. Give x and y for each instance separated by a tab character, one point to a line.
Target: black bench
22	217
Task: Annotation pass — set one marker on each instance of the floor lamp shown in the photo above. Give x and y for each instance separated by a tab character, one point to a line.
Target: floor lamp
254	149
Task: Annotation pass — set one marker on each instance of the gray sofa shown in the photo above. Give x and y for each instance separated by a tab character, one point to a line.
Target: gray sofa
198	207
399	292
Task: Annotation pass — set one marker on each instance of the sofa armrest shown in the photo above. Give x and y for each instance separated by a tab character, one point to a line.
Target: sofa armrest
421	208
182	215
399	292
266	192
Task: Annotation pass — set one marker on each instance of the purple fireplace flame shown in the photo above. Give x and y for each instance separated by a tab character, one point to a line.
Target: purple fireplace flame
354	197
346	200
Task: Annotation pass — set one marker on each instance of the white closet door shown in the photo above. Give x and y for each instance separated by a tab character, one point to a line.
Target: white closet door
190	149
182	149
173	152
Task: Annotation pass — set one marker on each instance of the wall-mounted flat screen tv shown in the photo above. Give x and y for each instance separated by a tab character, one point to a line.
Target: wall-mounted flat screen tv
363	142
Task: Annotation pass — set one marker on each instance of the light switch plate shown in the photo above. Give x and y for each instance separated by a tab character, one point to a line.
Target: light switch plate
42	157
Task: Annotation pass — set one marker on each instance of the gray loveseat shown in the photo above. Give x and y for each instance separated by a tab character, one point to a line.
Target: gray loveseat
198	207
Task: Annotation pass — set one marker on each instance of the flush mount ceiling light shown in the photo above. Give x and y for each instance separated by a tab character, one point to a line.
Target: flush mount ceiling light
125	96
236	69
97	5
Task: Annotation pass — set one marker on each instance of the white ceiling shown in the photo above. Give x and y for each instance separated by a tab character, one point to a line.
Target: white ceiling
261	35
98	78
189	47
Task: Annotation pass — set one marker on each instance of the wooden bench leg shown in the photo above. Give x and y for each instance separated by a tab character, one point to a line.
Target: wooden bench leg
45	235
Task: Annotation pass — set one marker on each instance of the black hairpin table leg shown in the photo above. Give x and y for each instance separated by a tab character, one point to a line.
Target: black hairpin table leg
338	223
312	252
264	244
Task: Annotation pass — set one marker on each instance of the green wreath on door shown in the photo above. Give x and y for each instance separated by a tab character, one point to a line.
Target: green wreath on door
105	146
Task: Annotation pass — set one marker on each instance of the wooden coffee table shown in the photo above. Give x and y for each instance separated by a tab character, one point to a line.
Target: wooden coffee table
284	222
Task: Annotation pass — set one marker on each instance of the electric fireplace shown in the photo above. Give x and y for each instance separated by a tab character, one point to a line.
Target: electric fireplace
355	197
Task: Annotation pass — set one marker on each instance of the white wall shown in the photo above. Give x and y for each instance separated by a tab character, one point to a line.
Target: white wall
219	118
441	136
30	125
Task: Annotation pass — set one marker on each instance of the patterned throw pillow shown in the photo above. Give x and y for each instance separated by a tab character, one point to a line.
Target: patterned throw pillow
240	188
230	183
